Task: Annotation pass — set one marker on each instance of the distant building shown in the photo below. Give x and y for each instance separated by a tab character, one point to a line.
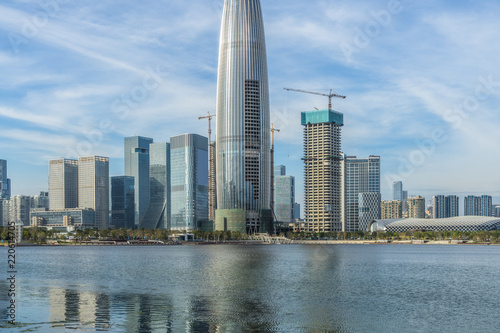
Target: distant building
122	202
41	200
158	213
478	206
416	207
404	202
189	181
5	191
63	220
445	206
93	187
284	197
279	170
63	184
322	170
495	210
461	223
391	210
297	211
369	209
359	175
19	209
4	212
137	166
397	191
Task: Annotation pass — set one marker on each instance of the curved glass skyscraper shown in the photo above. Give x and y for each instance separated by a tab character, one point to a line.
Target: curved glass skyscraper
243	125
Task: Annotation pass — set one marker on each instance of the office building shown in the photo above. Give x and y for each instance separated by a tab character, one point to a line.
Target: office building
279	170
189	181
369	209
445	206
63	184
122	202
137	166
5	191
284	196
322	170
359	175
41	200
93	188
243	122
391	210
158	213
297	211
63	220
416	207
397	191
478	206
404	202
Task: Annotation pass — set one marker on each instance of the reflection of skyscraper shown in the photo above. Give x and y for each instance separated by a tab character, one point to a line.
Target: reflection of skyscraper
93	187
158	213
243	124
122	202
63	184
189	181
5	190
137	166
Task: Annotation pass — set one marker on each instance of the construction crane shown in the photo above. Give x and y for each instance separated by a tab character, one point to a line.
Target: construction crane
210	162
330	95
273	129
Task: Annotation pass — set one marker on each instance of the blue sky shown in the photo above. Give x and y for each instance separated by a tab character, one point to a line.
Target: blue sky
422	80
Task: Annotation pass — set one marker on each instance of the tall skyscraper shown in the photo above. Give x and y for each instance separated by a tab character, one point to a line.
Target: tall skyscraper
445	206
359	175
391	210
122	202
405	201
243	122
63	184
397	190
158	213
416	207
137	166
212	189
478	206
322	170
5	191
369	209
189	179
279	170
93	187
284	195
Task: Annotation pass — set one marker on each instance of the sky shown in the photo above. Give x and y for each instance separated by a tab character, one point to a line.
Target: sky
422	80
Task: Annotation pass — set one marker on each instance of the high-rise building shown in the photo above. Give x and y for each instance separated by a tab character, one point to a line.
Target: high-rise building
445	206
284	196
4	212
297	211
41	201
279	170
137	166
189	181
359	175
158	213
93	187
478	206
322	170
5	191
397	190
495	210
243	122
122	202
212	189
63	184
19	209
405	201
369	209
416	207
391	210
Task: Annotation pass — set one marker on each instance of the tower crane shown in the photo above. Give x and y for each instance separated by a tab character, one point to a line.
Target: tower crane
210	162
330	95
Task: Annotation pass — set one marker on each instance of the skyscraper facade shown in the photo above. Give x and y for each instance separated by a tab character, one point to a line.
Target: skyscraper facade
284	198
189	181
122	202
478	206
445	206
243	122
5	191
63	184
137	166
158	213
416	207
19	209
4	212
397	190
322	170
93	187
391	210
359	175
369	209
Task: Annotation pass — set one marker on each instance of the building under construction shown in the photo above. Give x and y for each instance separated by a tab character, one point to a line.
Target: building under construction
322	173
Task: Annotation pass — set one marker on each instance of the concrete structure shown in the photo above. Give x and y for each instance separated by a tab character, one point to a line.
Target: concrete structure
5	190
63	220
137	166
4	212
369	209
478	206
397	191
63	184
93	188
122	202
461	223
445	206
19	209
391	210
284	198
158	213
495	210
322	170
243	121
212	192
416	207
189	181
359	175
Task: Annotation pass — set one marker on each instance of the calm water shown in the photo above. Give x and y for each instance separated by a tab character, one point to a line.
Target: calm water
268	288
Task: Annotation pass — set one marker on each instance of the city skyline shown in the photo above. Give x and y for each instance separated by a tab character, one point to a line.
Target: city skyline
48	115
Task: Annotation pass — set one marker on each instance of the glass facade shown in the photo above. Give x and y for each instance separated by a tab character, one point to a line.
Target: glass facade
478	206
189	181
369	209
158	213
93	187
80	218
122	202
284	198
137	166
5	191
243	120
397	191
444	206
63	184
